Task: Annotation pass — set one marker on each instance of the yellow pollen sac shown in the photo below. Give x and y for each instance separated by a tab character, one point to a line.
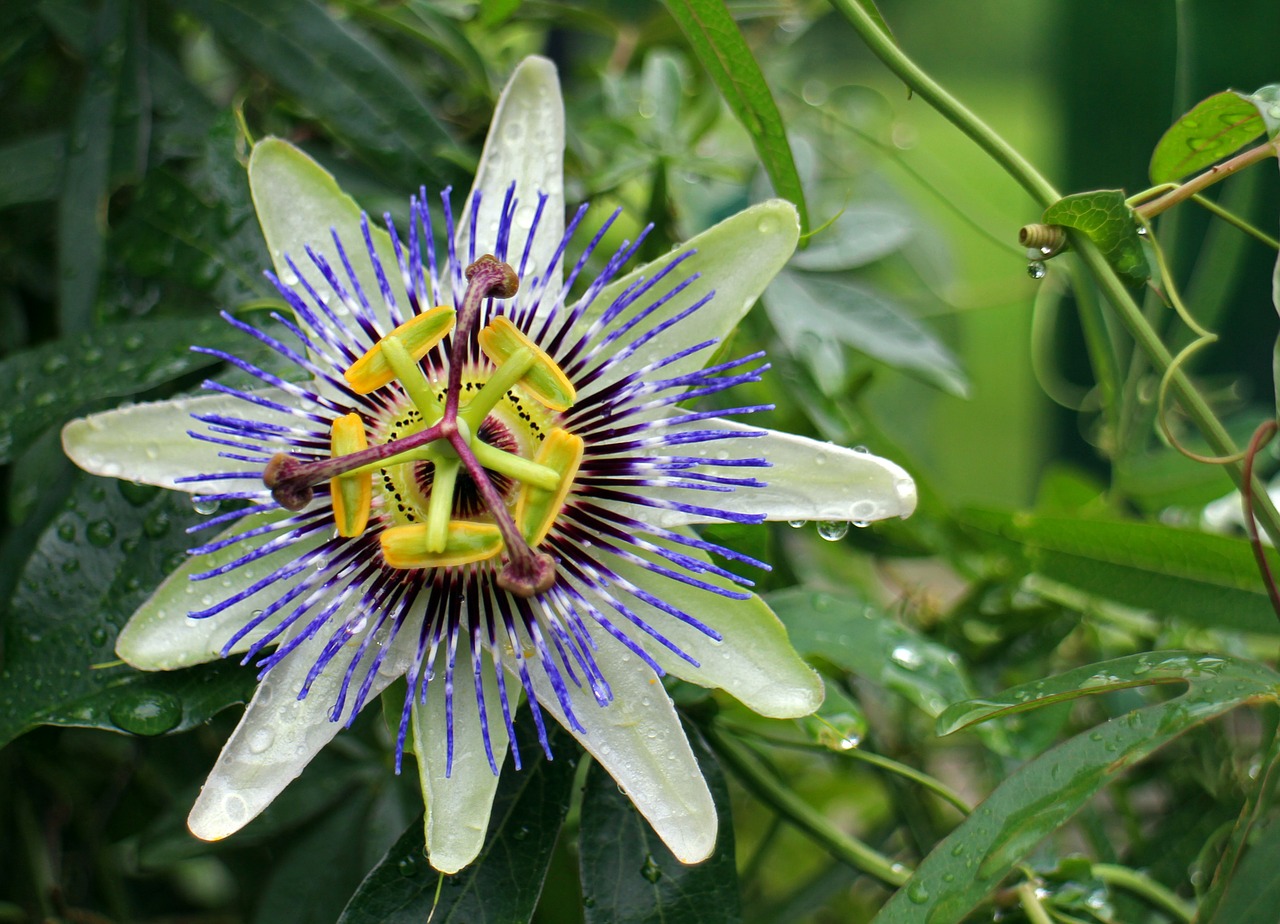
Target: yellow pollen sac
406	546
537	508
500	339
418	334
352	494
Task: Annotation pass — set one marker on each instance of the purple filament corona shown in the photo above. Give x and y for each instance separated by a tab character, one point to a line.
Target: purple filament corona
370	620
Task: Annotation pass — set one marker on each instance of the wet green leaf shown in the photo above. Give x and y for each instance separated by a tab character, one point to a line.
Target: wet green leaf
1214	128
504	882
849	633
344	79
1046	792
718	44
47	385
1103	215
817	316
628	874
97	560
1206	579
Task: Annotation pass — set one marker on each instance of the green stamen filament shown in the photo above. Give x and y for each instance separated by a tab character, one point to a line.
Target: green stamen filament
440	504
494	390
412	378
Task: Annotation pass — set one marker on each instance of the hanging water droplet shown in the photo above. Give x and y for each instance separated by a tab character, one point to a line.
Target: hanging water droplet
1036	270
861	524
205	507
796	524
833	530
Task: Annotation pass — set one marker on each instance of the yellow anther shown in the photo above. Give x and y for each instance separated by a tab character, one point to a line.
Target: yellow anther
418	334
545	381
352	493
406	546
537	508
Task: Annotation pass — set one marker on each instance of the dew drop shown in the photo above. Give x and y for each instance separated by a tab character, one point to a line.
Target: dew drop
66	532
135	493
98	636
906	657
796	524
146	713
157	523
54	364
918	892
408	867
1142	230
650	870
100	533
1036	270
767	226
833	530
260	740
205	507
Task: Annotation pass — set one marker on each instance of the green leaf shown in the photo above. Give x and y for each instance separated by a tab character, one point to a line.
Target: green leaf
94	564
1108	221
715	39
31	168
1254	892
628	874
816	316
1267	101
852	635
1045	793
1214	128
504	882
339	75
861	234
47	385
82	208
1206	579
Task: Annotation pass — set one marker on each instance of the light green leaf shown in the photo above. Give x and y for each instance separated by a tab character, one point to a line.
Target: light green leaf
1103	215
715	39
1045	793
818	315
1214	128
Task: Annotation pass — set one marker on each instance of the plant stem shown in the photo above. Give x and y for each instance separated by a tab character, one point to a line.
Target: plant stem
1043	192
884	48
795	810
1148	888
1031	906
1214	174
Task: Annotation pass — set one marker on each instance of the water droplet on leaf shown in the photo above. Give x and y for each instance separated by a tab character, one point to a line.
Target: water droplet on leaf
146	712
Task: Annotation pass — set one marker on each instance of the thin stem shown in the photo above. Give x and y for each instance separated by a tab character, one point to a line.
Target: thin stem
1214	174
1043	192
795	810
1031	905
1146	887
884	48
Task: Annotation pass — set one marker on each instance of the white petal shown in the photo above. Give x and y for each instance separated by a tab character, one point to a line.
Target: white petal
525	144
458	804
737	259
298	203
149	443
277	737
160	636
806	480
754	662
639	740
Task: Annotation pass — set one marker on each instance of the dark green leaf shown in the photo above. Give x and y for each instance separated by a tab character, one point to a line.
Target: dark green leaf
1108	221
94	564
1205	579
854	636
340	75
504	882
45	386
82	209
1214	128
31	169
1254	893
817	316
1045	793
715	39
628	874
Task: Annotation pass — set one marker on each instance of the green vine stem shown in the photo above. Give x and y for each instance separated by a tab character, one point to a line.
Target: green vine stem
795	810
1214	174
1131	881
1043	192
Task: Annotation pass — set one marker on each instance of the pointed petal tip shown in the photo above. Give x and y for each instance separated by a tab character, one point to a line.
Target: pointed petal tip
216	816
691	837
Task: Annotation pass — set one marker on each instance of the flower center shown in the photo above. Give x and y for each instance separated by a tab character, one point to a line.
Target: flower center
464	475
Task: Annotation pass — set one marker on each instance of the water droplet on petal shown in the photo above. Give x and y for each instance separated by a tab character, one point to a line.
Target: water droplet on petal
833	530
796	524
261	739
205	507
